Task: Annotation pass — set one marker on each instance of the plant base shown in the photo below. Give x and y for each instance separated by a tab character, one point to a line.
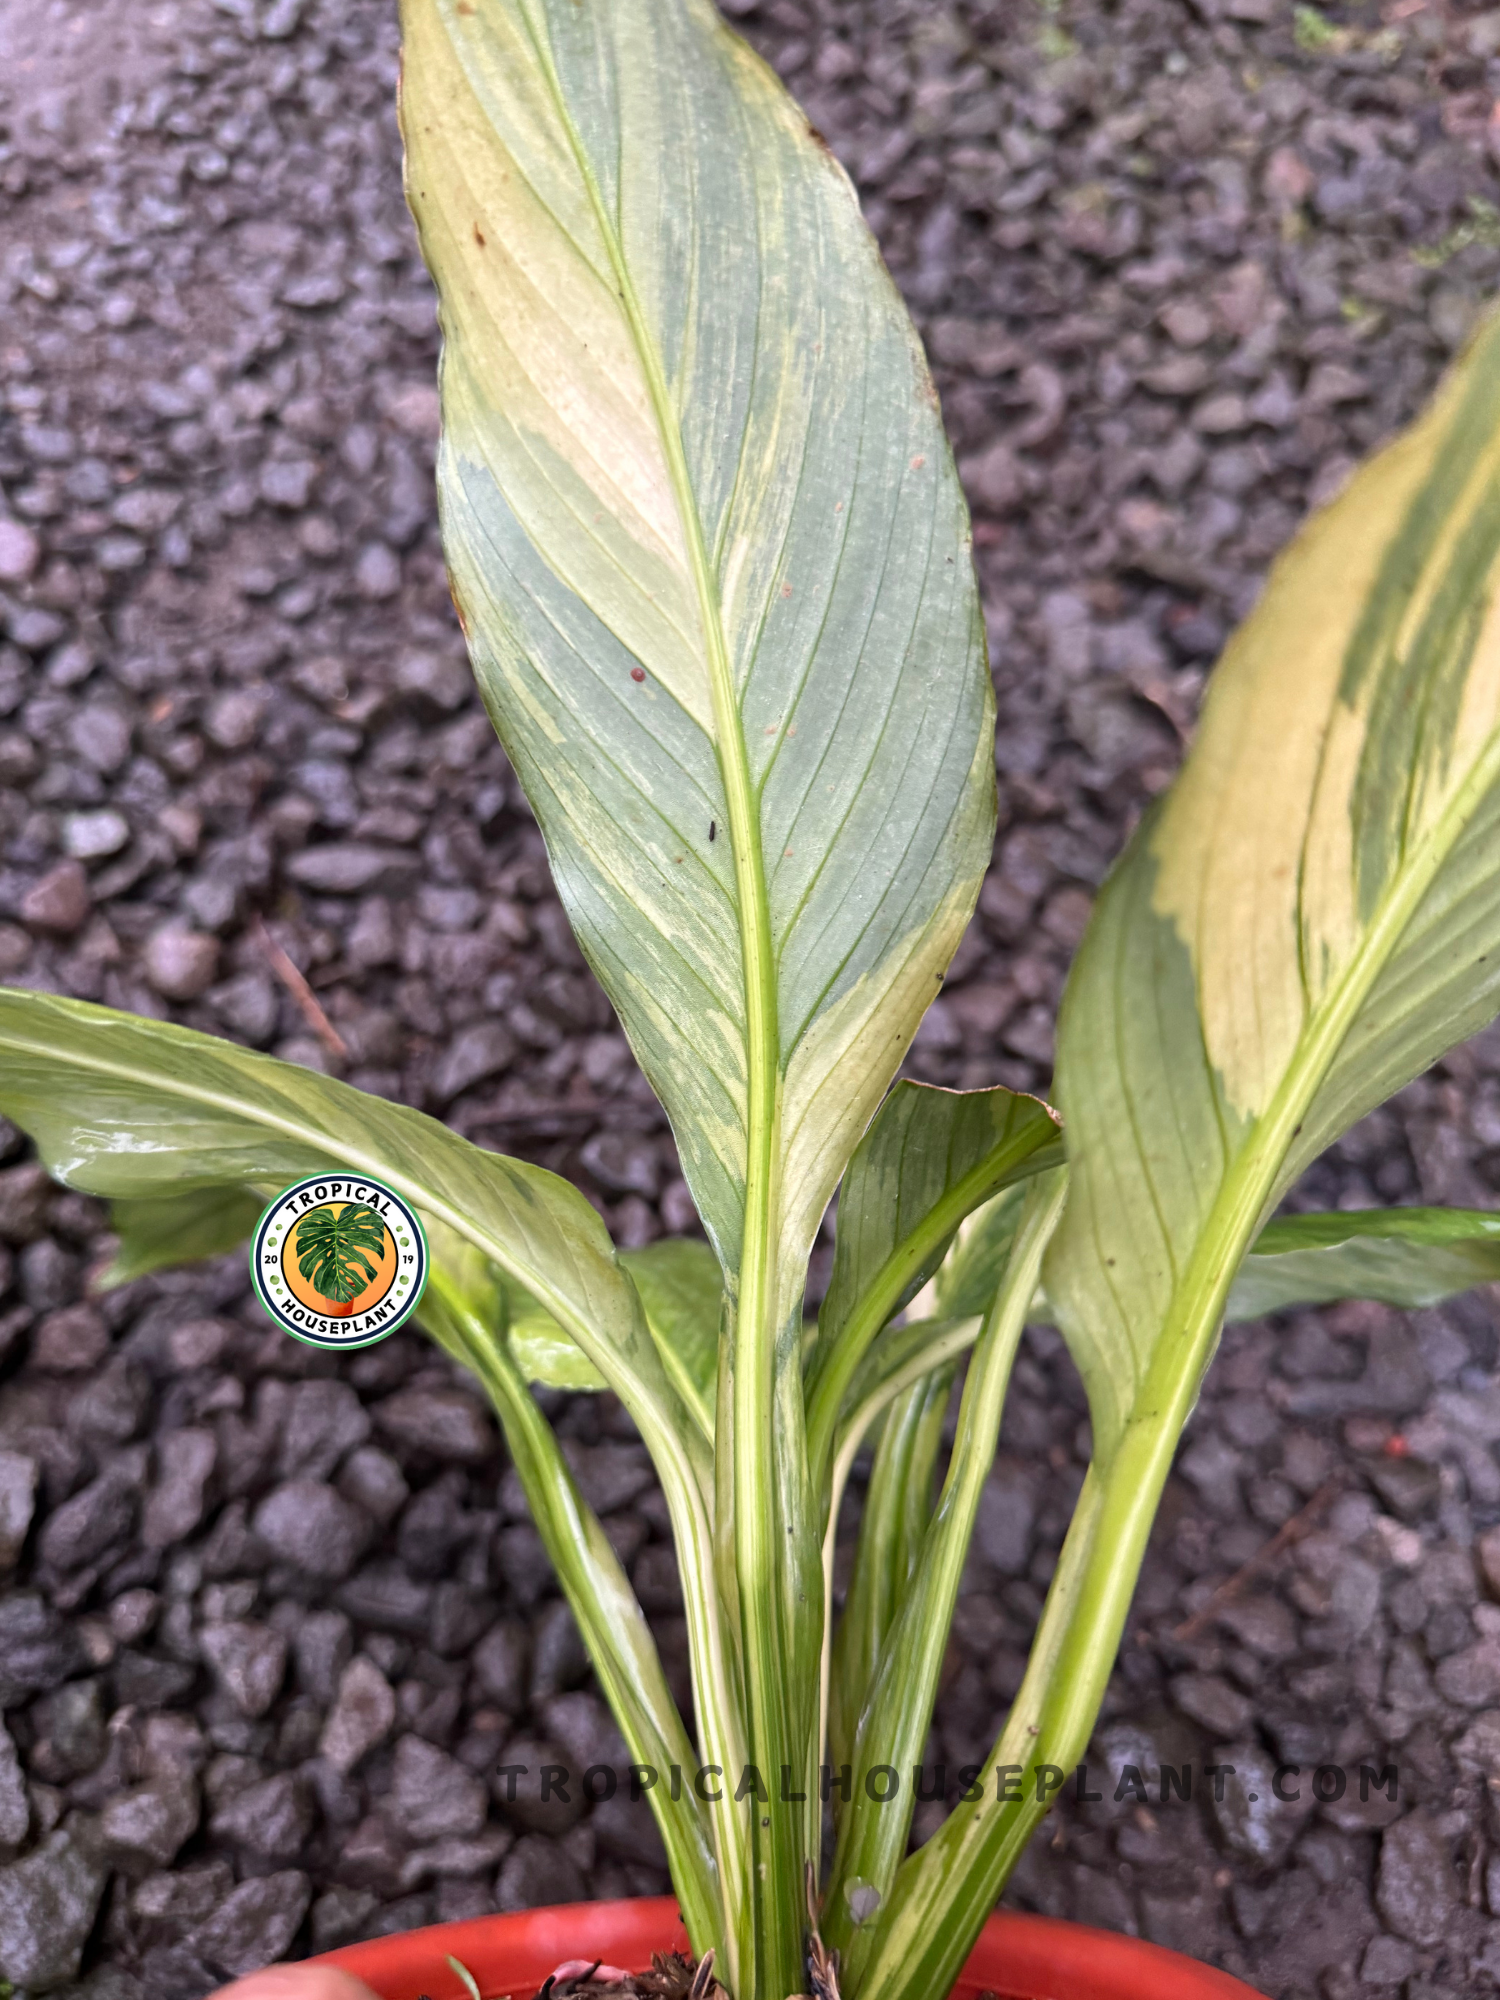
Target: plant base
1017	1957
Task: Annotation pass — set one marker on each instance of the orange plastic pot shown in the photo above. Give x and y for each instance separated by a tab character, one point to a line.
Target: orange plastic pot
1017	1957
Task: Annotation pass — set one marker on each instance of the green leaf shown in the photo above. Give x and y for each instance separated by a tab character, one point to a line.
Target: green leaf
681	1288
126	1107
130	1108
688	432
1402	1256
204	1222
929	1159
1312	914
542	1350
334	1247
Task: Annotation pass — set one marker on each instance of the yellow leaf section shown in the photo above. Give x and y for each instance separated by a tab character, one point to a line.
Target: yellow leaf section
542	379
1255	844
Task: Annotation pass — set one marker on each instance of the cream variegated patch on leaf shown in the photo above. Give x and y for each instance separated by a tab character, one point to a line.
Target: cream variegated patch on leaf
713	563
1310	918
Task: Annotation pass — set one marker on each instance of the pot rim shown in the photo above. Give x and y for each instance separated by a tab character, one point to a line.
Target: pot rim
1018	1957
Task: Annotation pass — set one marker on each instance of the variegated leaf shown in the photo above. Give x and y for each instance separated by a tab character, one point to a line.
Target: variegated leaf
1402	1256
1309	918
151	1114
1313	914
713	563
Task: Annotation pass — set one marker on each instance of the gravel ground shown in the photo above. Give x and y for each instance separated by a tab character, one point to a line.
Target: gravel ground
1177	266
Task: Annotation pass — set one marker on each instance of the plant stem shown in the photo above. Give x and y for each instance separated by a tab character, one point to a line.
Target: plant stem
957	1337
897	1710
599	1595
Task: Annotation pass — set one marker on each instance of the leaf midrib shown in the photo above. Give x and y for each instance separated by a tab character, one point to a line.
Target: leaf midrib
751	1445
758	967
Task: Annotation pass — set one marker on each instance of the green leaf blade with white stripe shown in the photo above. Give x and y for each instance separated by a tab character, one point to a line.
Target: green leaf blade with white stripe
688	433
1408	1257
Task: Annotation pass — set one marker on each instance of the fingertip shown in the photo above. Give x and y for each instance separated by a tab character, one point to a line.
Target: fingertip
297	1982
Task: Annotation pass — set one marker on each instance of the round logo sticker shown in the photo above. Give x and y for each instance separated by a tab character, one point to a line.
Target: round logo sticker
339	1260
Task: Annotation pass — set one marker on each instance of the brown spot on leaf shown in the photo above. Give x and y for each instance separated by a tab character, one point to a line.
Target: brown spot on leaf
478	235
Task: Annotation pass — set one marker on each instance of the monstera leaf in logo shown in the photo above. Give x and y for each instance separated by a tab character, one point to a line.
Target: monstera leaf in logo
334	1252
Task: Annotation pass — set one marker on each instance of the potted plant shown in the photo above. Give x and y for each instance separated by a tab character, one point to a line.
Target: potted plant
712	559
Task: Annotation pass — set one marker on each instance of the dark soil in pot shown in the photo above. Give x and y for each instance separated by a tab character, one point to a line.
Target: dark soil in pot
1177	265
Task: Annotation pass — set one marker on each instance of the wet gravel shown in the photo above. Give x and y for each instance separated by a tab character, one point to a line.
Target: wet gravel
271	1626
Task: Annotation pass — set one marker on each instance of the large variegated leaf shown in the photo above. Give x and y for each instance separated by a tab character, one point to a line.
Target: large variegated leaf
1401	1256
1309	918
1313	914
713	563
